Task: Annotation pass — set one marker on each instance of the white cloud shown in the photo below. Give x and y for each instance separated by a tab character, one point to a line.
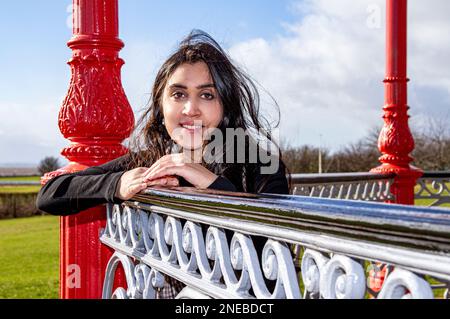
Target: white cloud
142	60
429	46
30	131
326	70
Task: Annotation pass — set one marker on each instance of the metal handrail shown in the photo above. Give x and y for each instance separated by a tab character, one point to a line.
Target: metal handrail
356	176
356	186
436	174
338	177
418	227
331	232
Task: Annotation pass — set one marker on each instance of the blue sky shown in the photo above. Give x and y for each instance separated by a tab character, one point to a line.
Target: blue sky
34	52
323	60
35	33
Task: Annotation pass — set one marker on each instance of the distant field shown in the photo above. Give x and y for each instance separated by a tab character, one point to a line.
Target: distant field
19	189
18	171
29	257
21	179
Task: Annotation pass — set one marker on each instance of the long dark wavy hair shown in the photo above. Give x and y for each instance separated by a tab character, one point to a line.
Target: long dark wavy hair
241	109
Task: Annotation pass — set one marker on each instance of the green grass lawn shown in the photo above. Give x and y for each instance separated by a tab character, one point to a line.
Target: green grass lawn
29	257
428	202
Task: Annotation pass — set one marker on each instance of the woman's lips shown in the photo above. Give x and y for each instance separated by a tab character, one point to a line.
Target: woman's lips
191	127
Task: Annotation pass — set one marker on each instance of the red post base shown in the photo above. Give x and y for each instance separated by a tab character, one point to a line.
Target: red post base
404	182
83	258
83	263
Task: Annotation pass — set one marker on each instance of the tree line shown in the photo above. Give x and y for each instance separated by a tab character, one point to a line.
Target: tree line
431	152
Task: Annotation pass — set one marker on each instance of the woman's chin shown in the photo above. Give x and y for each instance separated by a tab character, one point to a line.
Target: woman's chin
191	146
191	142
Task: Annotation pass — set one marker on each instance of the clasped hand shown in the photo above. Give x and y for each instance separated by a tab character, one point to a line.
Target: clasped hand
163	172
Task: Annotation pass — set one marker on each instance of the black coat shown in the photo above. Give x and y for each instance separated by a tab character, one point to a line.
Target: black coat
71	193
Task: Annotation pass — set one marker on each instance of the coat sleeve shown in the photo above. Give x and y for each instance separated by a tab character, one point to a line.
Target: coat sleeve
71	193
276	183
223	184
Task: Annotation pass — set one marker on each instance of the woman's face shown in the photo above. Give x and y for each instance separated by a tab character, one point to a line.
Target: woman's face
191	105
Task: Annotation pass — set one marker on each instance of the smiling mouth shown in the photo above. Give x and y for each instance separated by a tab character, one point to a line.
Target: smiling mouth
192	127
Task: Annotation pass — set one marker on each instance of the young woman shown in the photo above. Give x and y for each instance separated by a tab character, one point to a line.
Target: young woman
197	97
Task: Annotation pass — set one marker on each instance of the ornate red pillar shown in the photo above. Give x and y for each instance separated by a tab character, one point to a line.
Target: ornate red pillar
395	141
96	117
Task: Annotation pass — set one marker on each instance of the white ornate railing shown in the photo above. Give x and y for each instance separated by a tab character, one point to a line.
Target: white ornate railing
355	186
229	245
434	188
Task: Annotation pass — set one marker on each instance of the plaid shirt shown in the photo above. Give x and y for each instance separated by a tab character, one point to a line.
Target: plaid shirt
171	288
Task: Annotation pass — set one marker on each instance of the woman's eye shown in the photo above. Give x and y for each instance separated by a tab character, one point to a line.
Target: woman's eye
178	95
208	96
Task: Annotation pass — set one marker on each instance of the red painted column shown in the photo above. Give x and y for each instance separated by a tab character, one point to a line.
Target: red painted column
96	117
395	141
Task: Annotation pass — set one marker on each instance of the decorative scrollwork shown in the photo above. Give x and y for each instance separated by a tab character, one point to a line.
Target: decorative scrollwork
403	284
435	189
313	263
141	279
128	266
278	265
146	280
187	253
212	262
343	278
337	278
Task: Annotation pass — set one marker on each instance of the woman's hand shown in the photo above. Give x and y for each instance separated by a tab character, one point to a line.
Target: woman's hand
175	164
132	182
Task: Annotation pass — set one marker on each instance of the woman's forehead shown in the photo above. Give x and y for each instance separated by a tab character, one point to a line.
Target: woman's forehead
187	74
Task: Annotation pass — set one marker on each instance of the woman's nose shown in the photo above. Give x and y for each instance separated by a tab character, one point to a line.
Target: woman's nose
191	108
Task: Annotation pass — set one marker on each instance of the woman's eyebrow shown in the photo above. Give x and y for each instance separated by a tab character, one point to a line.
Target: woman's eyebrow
181	86
205	86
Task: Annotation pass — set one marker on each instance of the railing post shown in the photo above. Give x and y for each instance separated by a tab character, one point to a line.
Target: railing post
96	117
395	141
